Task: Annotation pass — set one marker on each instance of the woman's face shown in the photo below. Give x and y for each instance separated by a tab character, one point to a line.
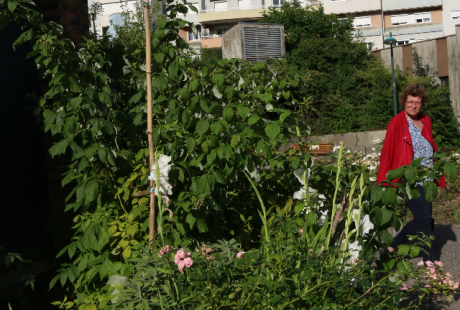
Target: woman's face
413	105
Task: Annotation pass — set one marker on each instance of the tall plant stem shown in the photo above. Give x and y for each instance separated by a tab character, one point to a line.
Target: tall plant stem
148	70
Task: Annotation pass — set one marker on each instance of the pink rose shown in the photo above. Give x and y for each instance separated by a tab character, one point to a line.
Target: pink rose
420	263
188	262
438	263
181	266
179	256
429	263
240	254
167	248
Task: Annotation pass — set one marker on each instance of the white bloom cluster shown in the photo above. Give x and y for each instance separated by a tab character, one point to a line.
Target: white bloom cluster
365	222
376	141
162	181
314	147
336	148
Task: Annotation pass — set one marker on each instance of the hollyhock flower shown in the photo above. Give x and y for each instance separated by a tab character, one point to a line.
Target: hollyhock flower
429	263
420	263
365	223
354	248
240	254
438	263
300	231
164	167
404	288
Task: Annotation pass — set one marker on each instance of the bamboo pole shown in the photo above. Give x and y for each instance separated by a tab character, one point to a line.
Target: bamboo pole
148	70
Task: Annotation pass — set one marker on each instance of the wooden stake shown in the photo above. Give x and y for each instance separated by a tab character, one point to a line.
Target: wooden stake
148	69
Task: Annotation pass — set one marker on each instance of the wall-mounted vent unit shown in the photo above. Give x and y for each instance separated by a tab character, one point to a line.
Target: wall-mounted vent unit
253	42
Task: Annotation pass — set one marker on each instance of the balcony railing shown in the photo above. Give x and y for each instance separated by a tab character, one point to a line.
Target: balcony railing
413	29
211	36
238	8
367	32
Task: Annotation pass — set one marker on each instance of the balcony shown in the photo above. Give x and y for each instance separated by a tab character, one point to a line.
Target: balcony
394	5
413	29
213	41
260	7
367	32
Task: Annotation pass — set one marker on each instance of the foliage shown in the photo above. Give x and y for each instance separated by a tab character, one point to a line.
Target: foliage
208	58
94	10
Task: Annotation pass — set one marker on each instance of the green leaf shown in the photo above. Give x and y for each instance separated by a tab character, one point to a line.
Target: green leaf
190	144
411	174
284	115
91	191
376	194
206	184
91	150
102	154
228	113
110	158
190	220
417	162
403	250
72	273
72	249
219	176
267	97
430	189
253	119
243	111
204	105
193	86
83	263
75	102
59	148
12	4
138	119
105	98
63	278
218	79
216	128
135	98
385	237
159	57
272	130
395	174
389	196
450	169
201	127
54	280
286	94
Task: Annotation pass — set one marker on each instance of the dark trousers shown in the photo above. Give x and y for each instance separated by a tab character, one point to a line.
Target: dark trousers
422	223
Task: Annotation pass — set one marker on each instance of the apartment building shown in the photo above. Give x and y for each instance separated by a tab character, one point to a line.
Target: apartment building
408	20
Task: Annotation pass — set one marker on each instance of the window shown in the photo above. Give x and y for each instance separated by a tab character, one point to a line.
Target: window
364	21
399	19
277	2
244	3
422	17
456	15
444	81
194	36
369	45
219	31
220	6
104	30
402	42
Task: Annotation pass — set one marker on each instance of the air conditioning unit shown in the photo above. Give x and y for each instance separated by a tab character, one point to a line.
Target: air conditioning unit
253	42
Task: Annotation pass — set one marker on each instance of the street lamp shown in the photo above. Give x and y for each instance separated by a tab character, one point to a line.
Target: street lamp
391	41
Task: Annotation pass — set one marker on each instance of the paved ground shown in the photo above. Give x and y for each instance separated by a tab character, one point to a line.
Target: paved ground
447	249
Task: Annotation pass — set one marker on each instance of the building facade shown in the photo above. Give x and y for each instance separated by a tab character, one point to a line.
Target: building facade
408	20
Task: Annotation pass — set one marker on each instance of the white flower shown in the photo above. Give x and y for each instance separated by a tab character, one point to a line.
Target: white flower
299	194
335	148
354	248
373	149
315	147
372	179
377	141
365	223
322	218
164	187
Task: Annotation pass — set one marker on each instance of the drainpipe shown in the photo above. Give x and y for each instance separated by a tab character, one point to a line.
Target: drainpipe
383	23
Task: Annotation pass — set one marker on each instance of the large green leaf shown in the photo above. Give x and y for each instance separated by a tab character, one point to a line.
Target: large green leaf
389	196
272	130
430	189
201	127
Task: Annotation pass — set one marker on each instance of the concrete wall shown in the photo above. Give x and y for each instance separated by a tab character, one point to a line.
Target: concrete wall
232	43
353	139
393	5
351	6
397	54
449	24
427	50
453	52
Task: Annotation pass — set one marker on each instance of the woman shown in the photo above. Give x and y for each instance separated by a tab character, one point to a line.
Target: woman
410	136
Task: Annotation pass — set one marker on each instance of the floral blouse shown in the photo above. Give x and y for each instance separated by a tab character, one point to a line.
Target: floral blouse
422	147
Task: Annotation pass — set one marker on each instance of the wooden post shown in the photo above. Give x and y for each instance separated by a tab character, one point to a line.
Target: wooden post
148	70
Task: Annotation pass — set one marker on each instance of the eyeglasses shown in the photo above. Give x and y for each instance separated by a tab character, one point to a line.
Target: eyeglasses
418	104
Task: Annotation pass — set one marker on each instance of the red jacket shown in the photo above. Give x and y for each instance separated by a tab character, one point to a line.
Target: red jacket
397	149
